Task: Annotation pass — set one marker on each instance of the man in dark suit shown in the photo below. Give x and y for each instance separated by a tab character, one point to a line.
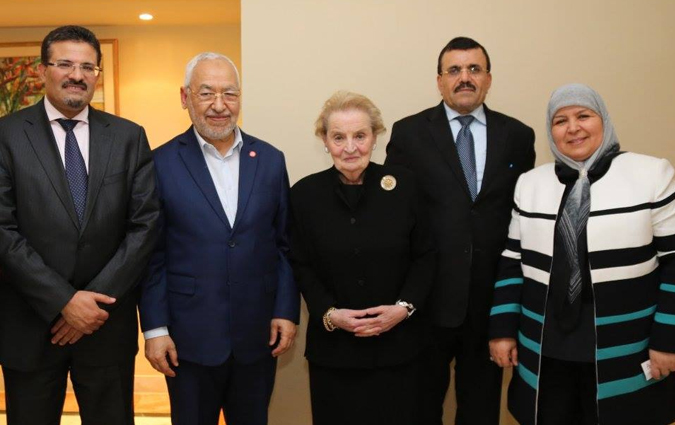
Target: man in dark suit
220	303
78	221
467	159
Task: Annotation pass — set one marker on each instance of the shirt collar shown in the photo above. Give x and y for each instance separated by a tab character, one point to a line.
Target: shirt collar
54	114
478	113
238	141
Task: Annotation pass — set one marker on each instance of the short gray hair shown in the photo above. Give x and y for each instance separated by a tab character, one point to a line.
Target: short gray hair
190	67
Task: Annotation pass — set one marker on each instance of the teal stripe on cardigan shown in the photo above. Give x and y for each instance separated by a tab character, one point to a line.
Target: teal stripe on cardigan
665	319
513	281
621	350
528	343
527	376
623	386
505	308
619	318
664	287
532	315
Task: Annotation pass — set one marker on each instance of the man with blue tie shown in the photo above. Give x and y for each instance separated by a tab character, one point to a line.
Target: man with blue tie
467	159
78	222
220	303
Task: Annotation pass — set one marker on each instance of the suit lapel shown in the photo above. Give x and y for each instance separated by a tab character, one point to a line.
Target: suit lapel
100	144
442	136
248	164
193	158
496	147
41	138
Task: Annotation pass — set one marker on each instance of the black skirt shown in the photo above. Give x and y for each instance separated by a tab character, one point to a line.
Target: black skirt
379	396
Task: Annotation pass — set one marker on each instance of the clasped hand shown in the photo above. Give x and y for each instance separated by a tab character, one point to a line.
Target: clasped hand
369	322
81	316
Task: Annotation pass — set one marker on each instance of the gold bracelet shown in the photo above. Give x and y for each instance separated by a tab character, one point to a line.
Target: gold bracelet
327	323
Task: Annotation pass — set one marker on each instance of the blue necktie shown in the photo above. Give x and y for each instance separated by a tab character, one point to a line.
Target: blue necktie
76	171
467	154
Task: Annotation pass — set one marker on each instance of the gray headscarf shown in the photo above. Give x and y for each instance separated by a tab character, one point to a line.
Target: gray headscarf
578	205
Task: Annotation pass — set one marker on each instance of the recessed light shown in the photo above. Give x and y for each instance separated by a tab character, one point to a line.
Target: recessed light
145	17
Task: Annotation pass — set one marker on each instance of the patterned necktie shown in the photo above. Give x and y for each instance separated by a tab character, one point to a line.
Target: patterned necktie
76	171
467	155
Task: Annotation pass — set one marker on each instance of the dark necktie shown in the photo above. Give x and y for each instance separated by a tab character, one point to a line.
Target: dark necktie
76	171
467	155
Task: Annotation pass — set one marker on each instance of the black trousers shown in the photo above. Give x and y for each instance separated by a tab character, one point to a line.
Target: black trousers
380	396
478	381
567	393
242	391
104	393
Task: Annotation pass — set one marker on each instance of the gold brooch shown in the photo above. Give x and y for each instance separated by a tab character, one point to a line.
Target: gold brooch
388	182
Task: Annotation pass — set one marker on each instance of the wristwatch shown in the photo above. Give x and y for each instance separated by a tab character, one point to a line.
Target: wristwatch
408	306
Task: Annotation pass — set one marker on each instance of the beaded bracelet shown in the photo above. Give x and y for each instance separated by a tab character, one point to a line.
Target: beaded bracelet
327	323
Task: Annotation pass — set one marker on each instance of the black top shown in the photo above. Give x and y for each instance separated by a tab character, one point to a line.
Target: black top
358	250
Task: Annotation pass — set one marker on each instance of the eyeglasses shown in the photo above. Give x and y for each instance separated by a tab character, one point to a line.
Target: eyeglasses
208	97
88	69
454	71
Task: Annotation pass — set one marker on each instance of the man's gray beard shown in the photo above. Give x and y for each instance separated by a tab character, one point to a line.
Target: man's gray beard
74	103
215	133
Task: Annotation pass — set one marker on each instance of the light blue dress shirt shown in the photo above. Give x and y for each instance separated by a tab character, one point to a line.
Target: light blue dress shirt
478	128
224	170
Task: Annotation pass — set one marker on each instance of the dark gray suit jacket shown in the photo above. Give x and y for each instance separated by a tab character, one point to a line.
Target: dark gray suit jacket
46	256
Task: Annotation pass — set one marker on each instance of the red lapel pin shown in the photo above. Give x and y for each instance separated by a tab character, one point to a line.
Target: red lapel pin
252	154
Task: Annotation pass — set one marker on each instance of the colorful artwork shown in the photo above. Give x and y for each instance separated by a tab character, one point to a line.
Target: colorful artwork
21	86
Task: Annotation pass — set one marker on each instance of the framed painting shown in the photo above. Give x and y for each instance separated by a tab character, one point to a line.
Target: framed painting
20	84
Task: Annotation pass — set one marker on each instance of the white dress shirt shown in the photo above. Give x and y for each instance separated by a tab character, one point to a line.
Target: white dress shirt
81	131
478	128
224	170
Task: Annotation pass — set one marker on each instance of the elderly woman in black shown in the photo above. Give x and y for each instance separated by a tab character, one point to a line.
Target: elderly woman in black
586	293
364	260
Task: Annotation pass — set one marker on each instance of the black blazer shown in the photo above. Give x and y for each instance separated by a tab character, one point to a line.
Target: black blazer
470	235
374	254
45	256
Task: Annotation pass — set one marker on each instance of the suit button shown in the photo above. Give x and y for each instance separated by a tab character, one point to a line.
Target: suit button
360	282
352	220
474	212
232	244
357	251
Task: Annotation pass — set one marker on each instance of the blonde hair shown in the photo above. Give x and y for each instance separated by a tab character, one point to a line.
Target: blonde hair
345	101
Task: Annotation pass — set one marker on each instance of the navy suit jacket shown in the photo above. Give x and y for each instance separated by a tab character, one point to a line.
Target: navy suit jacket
215	286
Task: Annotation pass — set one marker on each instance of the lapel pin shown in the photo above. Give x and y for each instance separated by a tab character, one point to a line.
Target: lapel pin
252	154
388	182
511	165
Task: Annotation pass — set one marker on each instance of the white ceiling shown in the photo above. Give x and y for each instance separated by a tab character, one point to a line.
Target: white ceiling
34	13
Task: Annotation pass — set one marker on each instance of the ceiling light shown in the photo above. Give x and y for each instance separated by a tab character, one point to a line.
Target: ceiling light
145	17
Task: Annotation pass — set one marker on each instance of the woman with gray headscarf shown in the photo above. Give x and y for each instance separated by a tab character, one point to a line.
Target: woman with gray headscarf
585	300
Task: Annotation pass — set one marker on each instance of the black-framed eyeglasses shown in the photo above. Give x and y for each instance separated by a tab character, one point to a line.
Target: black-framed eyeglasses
454	71
87	69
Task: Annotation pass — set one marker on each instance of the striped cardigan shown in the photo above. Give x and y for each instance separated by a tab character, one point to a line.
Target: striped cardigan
631	254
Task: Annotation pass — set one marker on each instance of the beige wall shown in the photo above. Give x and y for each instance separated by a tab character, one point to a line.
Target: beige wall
296	53
152	62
